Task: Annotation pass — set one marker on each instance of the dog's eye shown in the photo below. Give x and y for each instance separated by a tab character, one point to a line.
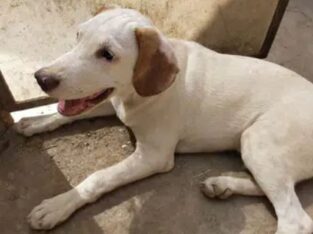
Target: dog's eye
104	53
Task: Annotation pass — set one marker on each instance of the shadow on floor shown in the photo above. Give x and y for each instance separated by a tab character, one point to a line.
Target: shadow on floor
28	175
238	27
30	170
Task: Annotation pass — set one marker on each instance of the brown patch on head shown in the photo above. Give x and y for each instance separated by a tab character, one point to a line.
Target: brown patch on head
105	8
156	65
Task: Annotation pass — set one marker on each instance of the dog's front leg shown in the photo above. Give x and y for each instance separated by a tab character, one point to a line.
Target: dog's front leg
144	162
38	124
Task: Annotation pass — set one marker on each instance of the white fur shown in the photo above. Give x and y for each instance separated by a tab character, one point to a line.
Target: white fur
217	102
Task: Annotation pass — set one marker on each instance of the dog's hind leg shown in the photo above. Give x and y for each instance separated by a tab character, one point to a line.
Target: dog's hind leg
270	155
224	186
38	124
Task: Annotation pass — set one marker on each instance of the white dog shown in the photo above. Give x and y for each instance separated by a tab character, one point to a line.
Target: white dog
178	96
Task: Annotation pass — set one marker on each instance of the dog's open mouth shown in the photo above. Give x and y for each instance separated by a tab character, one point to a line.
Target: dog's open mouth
78	106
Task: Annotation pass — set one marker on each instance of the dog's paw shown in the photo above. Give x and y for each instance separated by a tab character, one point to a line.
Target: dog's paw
216	187
25	126
33	125
53	211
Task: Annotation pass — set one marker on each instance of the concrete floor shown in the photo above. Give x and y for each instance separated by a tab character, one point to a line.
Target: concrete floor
293	45
32	169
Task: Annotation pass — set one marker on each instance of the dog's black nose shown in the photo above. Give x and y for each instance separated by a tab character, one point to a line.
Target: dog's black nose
46	82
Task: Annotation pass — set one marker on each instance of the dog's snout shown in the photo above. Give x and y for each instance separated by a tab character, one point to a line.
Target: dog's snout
47	82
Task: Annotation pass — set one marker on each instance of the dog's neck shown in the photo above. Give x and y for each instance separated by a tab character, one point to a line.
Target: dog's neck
129	105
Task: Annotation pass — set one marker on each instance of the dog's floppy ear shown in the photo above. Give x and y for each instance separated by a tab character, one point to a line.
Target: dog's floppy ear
105	7
156	65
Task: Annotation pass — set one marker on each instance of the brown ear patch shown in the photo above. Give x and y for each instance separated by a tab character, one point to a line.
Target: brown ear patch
105	8
156	65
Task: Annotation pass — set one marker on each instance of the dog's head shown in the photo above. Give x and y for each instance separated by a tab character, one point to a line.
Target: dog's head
117	51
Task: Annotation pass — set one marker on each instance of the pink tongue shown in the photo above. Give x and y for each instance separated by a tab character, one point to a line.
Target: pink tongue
72	107
77	106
